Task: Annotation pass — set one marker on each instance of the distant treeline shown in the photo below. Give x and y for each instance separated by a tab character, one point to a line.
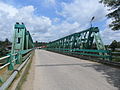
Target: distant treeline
38	44
4	47
113	45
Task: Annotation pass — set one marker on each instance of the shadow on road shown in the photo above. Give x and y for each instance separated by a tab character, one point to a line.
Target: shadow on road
111	74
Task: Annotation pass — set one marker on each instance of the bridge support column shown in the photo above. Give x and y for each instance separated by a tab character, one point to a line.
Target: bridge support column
19	58
10	60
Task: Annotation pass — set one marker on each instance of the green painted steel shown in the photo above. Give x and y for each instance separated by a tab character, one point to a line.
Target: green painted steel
81	41
22	39
22	43
84	52
22	47
6	83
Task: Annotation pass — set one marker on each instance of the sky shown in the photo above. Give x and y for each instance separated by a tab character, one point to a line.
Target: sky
48	20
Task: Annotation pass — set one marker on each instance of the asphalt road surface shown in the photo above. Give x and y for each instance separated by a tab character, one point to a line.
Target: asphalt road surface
54	71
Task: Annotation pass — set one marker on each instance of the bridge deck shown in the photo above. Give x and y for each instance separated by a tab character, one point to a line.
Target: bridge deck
52	71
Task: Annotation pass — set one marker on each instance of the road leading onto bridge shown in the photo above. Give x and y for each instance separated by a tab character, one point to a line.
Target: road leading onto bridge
52	71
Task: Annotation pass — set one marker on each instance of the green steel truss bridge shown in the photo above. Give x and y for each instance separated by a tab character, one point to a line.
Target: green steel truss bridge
22	50
82	44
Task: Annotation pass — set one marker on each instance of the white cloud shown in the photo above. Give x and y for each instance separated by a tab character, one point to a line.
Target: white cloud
47	3
58	31
77	15
41	26
8	9
56	20
63	29
35	24
83	10
109	35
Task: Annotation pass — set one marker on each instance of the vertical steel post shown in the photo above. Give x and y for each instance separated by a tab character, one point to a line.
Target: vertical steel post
10	60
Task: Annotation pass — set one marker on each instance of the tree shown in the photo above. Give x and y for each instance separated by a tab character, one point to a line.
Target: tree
3	46
114	14
6	40
118	44
36	42
113	45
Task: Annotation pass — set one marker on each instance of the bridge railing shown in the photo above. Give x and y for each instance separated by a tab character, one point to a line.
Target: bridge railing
4	61
116	56
11	65
105	54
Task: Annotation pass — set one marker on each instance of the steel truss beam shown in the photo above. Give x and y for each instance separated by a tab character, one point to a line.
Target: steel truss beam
22	39
80	40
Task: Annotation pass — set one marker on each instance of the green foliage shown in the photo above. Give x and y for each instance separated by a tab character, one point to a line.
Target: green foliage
38	44
114	45
3	47
114	14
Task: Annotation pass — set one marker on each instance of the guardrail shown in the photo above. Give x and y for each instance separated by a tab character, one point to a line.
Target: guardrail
104	54
116	56
6	60
13	63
